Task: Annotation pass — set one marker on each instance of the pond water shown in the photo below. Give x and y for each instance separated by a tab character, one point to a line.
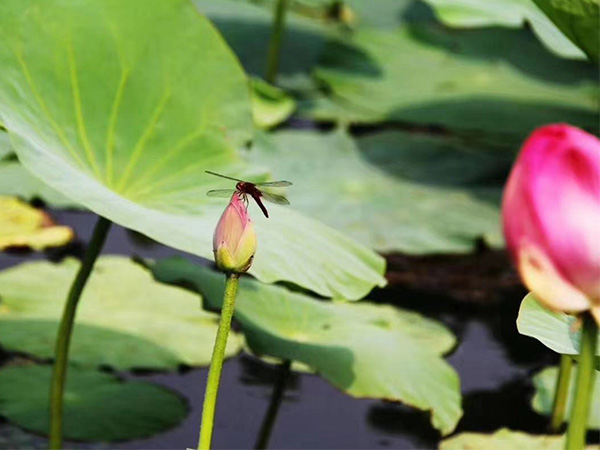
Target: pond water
494	362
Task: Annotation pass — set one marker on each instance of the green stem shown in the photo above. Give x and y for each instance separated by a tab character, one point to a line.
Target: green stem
275	42
65	331
585	383
216	363
266	428
561	392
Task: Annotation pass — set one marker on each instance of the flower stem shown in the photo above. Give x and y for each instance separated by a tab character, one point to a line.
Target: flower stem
216	362
584	385
561	392
275	42
266	428
65	331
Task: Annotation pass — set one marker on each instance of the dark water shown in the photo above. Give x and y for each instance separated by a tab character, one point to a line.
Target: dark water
494	362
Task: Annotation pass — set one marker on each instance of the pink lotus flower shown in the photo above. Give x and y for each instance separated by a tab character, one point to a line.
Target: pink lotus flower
551	215
234	241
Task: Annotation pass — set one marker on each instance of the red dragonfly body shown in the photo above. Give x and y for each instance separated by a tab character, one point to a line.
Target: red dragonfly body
246	188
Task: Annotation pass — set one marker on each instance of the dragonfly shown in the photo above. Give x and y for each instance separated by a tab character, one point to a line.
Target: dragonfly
246	188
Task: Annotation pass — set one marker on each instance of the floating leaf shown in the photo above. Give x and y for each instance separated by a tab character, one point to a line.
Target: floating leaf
502	440
392	190
22	225
468	81
366	350
508	13
97	406
557	331
123	118
579	20
270	105
545	386
125	318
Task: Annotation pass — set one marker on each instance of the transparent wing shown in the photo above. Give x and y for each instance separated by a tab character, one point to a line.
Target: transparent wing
223	176
222	193
274	184
274	198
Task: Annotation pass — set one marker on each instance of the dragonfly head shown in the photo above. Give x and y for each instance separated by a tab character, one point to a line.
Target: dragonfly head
240	186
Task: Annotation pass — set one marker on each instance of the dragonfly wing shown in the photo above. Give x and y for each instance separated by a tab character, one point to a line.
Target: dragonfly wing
274	184
274	198
223	176
221	193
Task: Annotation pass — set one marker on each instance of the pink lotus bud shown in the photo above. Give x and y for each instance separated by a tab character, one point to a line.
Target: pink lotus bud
234	241
551	214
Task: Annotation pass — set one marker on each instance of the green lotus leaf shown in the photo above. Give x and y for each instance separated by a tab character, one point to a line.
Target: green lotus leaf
366	350
125	319
392	191
579	20
557	331
507	13
5	147
270	105
97	406
470	81
545	386
502	440
123	118
22	225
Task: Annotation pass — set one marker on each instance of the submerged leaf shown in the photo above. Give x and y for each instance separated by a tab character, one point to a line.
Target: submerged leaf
97	406
123	118
124	320
545	387
556	330
366	350
22	225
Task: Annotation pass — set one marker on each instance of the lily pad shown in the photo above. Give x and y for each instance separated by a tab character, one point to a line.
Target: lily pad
469	81
545	385
22	225
507	13
124	119
579	20
393	191
366	350
125	319
98	406
558	331
502	440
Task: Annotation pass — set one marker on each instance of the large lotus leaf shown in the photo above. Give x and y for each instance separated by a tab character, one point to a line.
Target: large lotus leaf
465	80
367	350
502	440
22	225
97	406
125	319
545	386
394	190
558	331
508	13
579	20
123	118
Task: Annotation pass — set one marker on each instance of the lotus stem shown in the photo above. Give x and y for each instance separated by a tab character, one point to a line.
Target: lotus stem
65	331
216	362
561	392
584	385
266	428
275	41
